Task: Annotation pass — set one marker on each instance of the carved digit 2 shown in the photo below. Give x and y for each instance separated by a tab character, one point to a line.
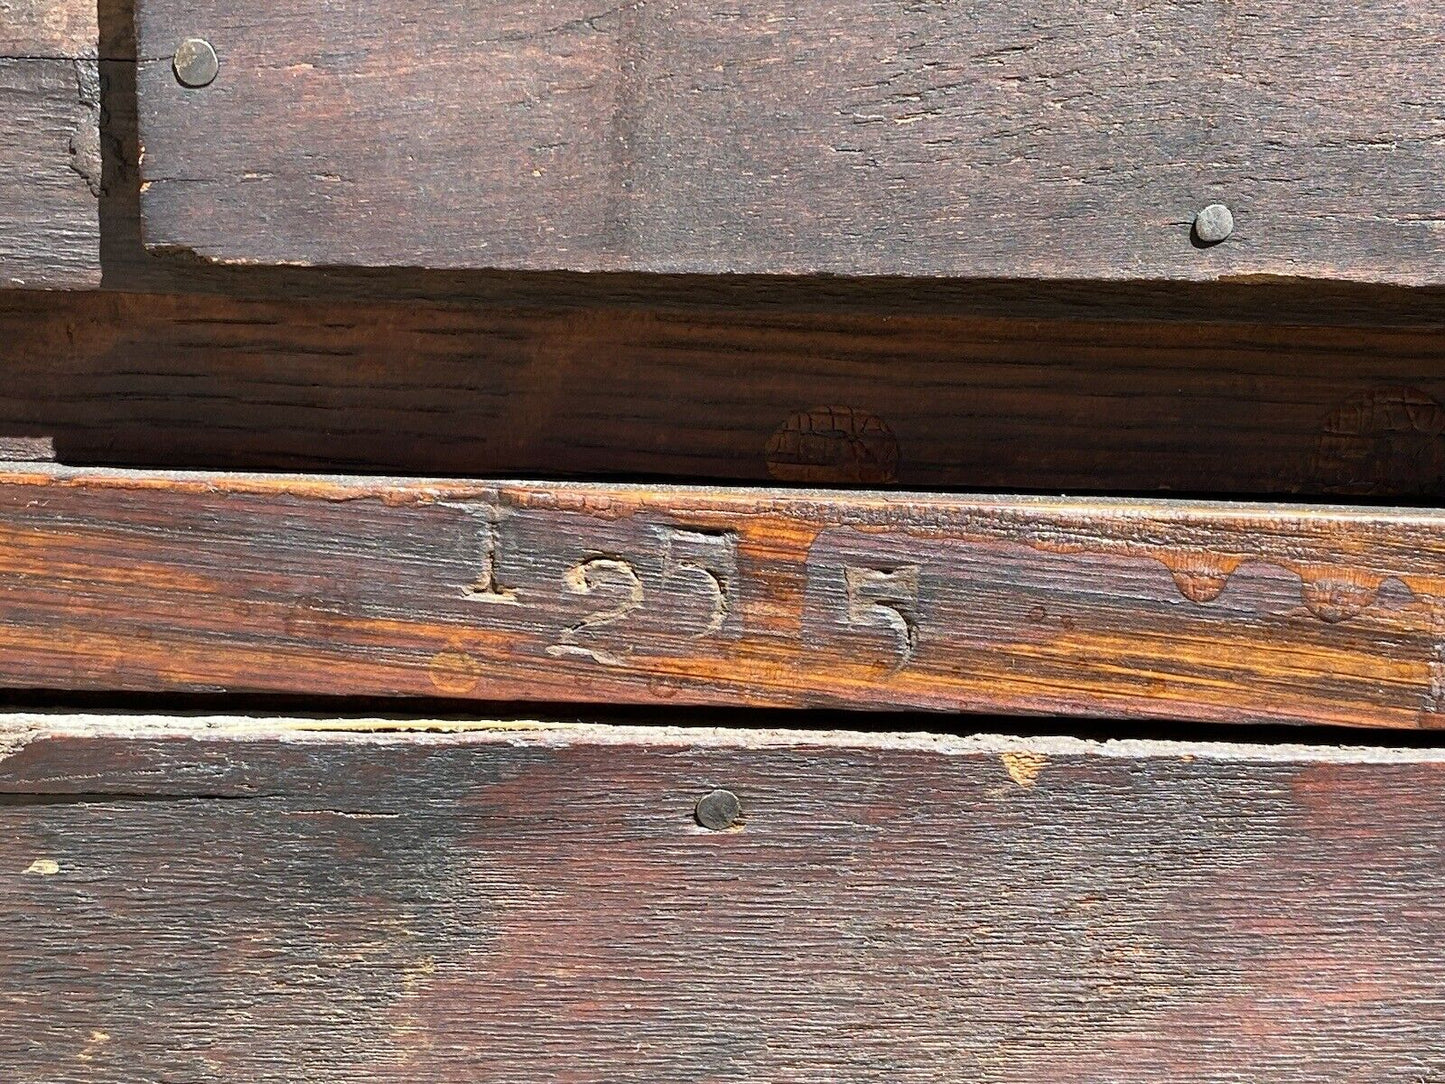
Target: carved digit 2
584	579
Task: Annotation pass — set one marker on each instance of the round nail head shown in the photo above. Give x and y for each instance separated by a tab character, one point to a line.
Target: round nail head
195	63
1213	224
718	810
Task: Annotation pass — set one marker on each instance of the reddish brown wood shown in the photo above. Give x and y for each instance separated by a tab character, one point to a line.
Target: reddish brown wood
745	394
50	155
616	594
255	900
1062	140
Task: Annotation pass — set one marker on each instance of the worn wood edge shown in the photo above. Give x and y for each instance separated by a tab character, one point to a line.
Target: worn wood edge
20	729
444	912
419	490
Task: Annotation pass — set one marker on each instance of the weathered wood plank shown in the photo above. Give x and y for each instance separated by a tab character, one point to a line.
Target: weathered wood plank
259	902
629	594
50	173
52	29
914	400
129	267
50	153
1062	140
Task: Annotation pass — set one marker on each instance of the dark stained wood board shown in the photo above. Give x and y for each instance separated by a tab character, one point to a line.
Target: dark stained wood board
138	581
261	900
1061	139
129	267
50	146
760	396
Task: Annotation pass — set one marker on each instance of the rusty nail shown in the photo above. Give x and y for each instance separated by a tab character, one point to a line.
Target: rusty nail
718	810
1213	224
195	63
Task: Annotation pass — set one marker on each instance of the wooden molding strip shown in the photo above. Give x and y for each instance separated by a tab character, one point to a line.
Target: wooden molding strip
627	594
938	141
257	900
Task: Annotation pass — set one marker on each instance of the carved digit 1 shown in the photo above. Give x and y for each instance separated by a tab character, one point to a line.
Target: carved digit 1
709	558
886	596
488	588
584	579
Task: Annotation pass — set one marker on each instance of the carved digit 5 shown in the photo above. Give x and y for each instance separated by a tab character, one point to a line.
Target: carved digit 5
594	575
887	596
709	558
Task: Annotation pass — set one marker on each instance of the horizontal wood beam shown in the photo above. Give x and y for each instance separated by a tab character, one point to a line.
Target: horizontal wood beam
629	594
263	900
751	395
1064	141
50	146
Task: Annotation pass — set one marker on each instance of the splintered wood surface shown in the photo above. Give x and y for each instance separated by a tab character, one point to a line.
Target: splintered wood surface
117	580
50	158
746	394
261	902
1059	139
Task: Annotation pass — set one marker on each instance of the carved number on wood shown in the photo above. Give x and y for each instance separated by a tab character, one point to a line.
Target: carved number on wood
488	588
889	597
692	560
600	574
709	558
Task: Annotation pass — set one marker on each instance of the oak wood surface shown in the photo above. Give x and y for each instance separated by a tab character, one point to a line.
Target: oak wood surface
1063	140
260	901
745	395
113	580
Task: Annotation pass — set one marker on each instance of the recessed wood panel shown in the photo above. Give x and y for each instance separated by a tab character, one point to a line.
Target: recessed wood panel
746	395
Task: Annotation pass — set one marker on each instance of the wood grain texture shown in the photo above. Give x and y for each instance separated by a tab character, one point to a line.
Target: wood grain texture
628	594
256	901
50	173
48	29
50	153
1065	140
748	395
129	267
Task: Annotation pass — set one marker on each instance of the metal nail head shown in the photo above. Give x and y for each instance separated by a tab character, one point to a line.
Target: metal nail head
195	63
718	810
1213	224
